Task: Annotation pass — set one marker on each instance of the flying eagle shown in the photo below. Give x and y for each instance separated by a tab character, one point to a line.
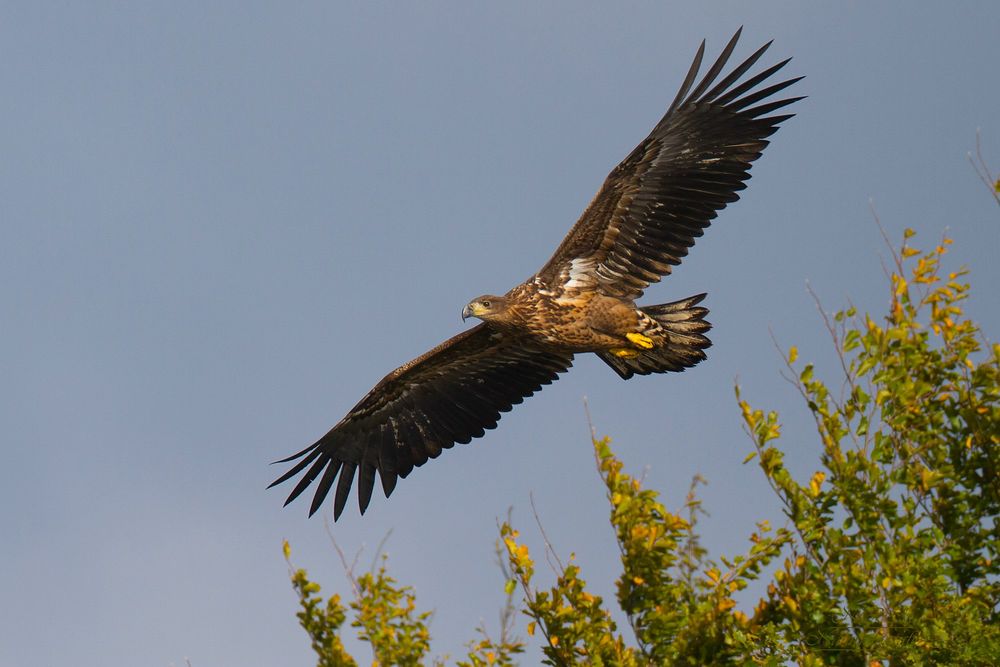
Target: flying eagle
642	221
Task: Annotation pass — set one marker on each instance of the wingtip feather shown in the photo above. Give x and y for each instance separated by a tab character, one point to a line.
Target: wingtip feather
343	488
323	488
688	80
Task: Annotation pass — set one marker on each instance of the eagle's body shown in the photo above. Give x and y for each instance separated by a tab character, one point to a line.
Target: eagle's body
642	222
574	320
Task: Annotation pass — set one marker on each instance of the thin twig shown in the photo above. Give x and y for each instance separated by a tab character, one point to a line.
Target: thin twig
590	422
381	546
550	552
348	569
790	378
982	169
897	258
837	344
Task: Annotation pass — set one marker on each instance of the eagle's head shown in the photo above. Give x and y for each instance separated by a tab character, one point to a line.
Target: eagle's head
487	308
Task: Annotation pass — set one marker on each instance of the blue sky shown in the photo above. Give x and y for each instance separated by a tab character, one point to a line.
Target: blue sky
223	223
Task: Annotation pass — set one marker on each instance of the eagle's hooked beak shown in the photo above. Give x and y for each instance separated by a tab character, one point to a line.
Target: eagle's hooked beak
474	309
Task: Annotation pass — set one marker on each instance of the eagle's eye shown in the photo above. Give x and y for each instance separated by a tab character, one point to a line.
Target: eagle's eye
486	304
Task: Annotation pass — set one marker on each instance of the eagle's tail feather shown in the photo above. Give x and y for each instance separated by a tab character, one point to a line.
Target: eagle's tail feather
680	340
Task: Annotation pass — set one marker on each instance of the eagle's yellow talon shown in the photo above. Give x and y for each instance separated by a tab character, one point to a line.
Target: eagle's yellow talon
640	340
624	352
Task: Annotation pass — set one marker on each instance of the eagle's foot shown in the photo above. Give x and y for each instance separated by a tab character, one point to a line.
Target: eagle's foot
624	352
641	341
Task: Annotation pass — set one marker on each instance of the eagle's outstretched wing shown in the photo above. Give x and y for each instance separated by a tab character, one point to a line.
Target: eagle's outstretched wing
448	395
660	198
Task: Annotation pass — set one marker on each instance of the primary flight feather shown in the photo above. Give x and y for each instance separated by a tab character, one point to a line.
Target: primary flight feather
643	220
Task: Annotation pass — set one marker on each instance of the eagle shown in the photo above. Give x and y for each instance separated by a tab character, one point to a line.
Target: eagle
641	223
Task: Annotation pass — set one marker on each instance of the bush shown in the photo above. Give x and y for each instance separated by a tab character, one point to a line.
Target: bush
888	553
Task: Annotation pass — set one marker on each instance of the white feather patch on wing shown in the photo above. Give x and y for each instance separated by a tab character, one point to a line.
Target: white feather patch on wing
581	273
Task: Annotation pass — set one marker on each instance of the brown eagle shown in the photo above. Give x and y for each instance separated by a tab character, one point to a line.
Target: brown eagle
642	221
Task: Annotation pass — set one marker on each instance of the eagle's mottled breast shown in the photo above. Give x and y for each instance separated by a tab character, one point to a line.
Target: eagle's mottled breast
580	320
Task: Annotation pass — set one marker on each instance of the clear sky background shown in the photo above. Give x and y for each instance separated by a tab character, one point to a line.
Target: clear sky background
223	222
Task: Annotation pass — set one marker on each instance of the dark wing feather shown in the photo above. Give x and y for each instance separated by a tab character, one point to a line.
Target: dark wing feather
451	394
661	197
